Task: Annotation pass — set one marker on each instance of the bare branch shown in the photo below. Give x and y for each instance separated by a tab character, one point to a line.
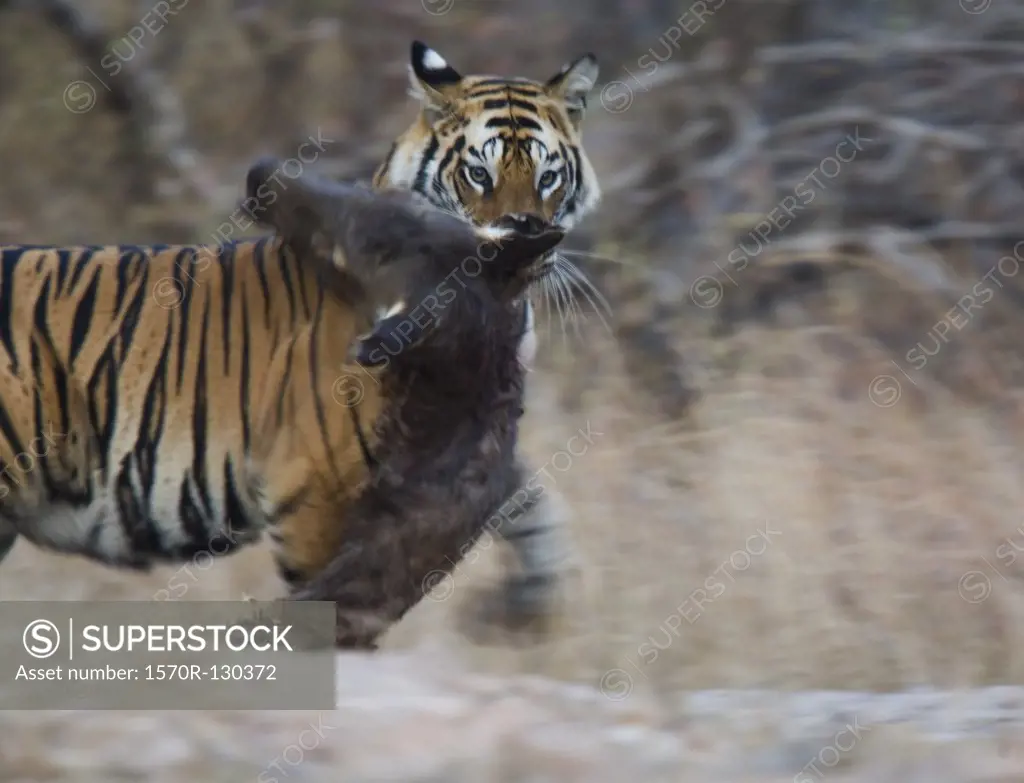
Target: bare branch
155	135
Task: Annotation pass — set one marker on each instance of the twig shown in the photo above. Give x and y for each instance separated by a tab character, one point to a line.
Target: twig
154	129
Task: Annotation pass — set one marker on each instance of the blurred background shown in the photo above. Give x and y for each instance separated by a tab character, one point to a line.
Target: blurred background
805	463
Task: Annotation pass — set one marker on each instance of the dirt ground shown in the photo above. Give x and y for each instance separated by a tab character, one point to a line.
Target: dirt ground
667	687
826	536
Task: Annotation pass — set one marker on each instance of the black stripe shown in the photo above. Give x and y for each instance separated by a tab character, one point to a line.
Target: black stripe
125	266
452	152
519	103
9	262
513	85
285	379
56	377
41	322
260	258
105	372
505	103
487	91
183	308
151	420
142	536
130	318
60	379
10	432
420	183
307	311
38	383
514	122
82	320
286	279
81	265
364	446
245	380
200	424
517	533
192	522
226	257
63	267
386	165
237	519
524	91
314	379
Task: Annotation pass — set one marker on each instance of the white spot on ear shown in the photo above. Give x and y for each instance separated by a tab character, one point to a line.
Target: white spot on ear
338	257
432	61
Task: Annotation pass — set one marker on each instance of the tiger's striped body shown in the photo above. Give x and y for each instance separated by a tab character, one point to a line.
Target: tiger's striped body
163	382
482	147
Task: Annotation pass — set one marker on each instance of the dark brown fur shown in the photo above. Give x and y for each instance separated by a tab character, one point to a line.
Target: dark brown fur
445	454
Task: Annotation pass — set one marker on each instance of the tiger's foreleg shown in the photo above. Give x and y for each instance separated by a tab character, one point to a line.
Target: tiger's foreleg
534	523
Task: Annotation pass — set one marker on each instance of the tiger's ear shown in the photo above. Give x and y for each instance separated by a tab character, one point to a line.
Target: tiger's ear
572	83
433	81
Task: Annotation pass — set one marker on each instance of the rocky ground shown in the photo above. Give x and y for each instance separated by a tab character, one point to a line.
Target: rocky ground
427	717
593	704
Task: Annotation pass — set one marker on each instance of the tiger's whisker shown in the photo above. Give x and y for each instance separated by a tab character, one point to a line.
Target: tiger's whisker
596	257
589	291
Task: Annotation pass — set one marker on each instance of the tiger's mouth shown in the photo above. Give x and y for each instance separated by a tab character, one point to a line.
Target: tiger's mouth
542	266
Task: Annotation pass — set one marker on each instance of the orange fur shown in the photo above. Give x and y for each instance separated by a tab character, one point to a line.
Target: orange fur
139	402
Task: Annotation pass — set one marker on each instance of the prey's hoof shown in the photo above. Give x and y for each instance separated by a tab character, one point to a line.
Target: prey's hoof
300	636
7	543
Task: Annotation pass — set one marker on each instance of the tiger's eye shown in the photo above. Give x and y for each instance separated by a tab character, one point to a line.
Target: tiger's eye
479	175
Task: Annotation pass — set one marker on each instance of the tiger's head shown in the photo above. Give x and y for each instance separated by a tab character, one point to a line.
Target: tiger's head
487	146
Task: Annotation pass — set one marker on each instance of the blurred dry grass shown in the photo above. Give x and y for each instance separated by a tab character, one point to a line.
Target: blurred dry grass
880	511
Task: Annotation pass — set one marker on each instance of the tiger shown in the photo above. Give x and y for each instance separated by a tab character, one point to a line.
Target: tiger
159	402
481	147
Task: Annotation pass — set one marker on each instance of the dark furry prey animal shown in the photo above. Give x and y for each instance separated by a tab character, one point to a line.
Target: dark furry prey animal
444	356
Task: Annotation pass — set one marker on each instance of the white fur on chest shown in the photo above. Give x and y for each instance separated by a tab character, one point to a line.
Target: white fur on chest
528	344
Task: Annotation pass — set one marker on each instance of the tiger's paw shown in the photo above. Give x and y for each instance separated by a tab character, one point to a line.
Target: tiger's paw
520	609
